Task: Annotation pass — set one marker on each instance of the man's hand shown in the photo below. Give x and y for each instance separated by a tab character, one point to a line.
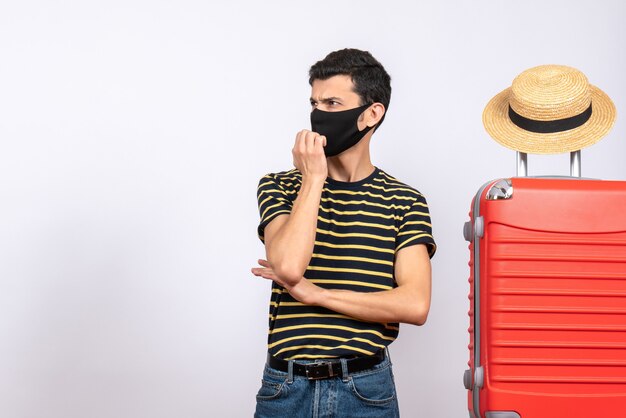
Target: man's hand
303	291
308	154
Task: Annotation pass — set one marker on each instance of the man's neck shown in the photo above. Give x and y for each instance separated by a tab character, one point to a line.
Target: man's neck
352	165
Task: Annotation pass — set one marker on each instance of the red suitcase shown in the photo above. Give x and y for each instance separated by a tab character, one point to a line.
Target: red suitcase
547	298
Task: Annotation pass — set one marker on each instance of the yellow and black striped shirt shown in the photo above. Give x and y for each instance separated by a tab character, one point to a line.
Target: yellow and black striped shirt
361	225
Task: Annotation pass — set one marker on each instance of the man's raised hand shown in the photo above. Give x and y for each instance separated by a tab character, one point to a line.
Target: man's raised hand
308	154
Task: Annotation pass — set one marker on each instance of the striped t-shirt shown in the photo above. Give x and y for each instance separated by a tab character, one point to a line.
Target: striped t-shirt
360	227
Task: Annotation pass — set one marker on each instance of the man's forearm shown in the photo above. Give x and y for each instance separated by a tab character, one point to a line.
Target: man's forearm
396	305
408	304
291	248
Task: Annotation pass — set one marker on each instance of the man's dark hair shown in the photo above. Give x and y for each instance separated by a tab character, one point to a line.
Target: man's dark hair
371	82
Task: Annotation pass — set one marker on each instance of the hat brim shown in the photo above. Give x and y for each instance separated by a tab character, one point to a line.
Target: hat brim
500	127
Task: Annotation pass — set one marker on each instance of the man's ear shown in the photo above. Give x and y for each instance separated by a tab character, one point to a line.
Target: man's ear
374	114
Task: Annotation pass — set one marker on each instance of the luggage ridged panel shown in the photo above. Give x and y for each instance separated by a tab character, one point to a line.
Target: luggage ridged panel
557	311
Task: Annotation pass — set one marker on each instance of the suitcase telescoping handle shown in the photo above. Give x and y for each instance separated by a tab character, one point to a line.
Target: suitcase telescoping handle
574	164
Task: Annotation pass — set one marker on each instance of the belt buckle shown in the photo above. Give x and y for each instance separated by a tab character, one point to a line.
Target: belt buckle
317	371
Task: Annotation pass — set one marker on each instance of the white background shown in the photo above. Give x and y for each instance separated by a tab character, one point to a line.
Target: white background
132	138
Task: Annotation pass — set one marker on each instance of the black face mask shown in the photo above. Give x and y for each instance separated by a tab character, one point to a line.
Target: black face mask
339	128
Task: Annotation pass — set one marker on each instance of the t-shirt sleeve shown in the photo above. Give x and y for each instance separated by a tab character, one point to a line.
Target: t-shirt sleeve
416	228
273	200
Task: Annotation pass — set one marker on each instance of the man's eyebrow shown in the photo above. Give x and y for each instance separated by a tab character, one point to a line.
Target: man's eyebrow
326	99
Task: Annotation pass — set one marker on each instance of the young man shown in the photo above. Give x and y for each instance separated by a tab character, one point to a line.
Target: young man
348	249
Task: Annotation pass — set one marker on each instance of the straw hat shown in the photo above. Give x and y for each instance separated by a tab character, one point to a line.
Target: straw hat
549	109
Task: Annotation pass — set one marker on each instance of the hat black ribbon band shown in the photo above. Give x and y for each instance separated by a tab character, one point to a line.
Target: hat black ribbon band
549	126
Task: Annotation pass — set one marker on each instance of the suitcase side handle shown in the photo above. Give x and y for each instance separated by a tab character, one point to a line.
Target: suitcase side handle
574	164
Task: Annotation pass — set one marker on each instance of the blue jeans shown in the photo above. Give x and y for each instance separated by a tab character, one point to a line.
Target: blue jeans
366	394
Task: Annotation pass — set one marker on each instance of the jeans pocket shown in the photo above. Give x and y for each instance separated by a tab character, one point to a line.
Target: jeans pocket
375	388
272	387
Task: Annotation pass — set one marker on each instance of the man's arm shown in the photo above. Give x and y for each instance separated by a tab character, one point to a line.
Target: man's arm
290	239
408	303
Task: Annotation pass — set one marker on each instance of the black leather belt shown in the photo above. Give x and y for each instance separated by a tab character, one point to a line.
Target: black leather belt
327	369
